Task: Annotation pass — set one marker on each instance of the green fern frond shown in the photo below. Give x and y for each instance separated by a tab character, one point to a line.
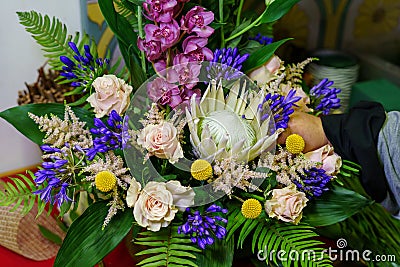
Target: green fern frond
52	35
166	248
126	8
298	241
19	191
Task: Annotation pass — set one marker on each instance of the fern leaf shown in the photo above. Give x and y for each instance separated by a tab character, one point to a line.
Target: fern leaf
19	192
166	248
298	241
52	35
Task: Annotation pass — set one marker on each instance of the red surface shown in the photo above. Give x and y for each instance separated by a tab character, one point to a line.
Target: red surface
117	258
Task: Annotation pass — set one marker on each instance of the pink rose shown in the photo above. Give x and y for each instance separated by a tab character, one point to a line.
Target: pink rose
266	72
111	93
331	162
161	140
286	204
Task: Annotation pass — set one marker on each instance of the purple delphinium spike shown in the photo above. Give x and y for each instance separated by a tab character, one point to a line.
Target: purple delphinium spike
203	228
108	136
323	97
226	64
314	183
281	107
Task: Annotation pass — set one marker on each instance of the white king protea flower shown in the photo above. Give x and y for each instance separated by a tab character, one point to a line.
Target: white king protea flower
229	127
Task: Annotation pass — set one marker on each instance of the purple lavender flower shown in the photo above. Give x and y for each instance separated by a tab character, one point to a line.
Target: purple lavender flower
159	10
108	136
226	64
203	228
264	40
281	107
195	49
323	97
196	21
314	183
167	33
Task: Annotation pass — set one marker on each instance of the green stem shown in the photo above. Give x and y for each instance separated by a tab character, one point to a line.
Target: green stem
239	12
254	23
141	35
221	20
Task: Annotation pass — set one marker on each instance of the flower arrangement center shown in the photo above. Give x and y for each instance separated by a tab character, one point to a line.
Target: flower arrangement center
223	123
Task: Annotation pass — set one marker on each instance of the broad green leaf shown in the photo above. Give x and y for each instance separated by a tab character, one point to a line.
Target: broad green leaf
277	9
53	237
262	55
334	206
127	40
219	254
18	117
86	243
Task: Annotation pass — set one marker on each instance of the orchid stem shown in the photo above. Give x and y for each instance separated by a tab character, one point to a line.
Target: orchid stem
141	35
239	12
221	20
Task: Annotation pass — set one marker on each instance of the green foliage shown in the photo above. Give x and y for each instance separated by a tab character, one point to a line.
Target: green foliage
269	237
262	55
19	191
219	254
52	35
334	206
166	248
127	38
86	243
49	235
18	117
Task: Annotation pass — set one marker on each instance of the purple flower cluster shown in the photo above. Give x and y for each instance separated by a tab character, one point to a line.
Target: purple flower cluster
161	48
49	175
264	40
281	107
82	68
204	228
109	136
314	183
325	98
226	64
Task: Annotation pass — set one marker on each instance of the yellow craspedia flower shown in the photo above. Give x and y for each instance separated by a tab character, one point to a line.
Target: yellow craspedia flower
251	208
295	143
105	181
201	170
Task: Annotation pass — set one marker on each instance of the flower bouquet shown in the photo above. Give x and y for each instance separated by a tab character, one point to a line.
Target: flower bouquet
176	143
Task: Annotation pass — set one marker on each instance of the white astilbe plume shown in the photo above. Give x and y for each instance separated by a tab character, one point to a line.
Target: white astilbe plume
115	165
286	165
59	132
232	174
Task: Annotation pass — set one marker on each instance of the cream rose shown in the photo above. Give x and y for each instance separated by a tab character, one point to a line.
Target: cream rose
110	93
286	204
331	162
133	193
303	102
157	203
161	140
266	72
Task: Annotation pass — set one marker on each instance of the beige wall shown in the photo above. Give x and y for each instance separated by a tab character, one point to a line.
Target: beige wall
20	59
